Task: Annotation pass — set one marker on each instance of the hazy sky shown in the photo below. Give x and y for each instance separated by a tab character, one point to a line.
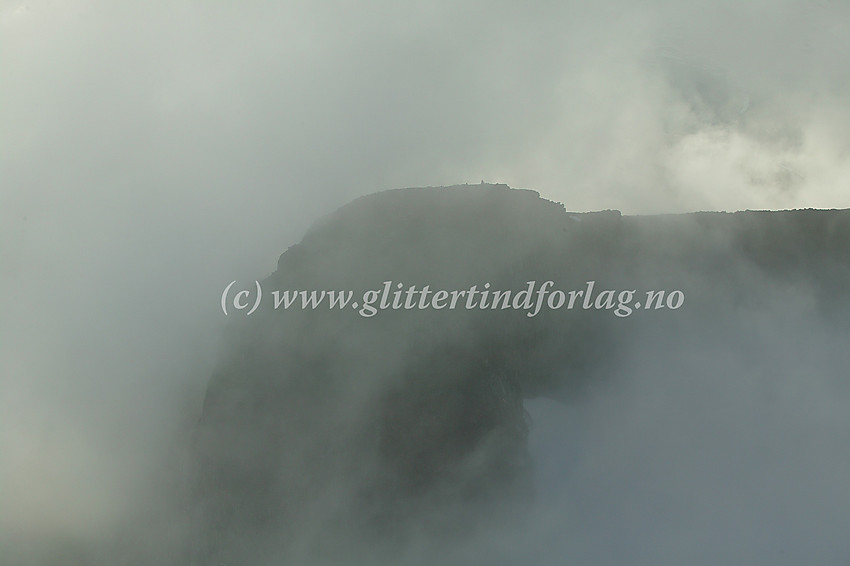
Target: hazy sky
151	152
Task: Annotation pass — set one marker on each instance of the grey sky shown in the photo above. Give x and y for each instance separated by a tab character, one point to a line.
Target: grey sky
153	151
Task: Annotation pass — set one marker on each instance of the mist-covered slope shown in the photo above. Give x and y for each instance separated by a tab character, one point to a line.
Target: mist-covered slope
355	436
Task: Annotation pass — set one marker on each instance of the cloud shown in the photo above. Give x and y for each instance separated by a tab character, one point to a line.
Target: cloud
154	151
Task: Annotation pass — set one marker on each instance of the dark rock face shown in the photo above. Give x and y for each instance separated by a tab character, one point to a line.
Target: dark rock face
325	425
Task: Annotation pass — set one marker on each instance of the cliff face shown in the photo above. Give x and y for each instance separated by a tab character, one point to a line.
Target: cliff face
370	428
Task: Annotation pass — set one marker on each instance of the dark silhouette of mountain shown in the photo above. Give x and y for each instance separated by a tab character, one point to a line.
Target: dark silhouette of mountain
328	425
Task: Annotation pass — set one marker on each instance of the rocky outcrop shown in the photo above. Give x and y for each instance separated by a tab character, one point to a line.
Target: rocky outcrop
370	428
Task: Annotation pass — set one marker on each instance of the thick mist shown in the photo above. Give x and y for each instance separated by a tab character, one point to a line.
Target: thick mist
713	445
153	152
